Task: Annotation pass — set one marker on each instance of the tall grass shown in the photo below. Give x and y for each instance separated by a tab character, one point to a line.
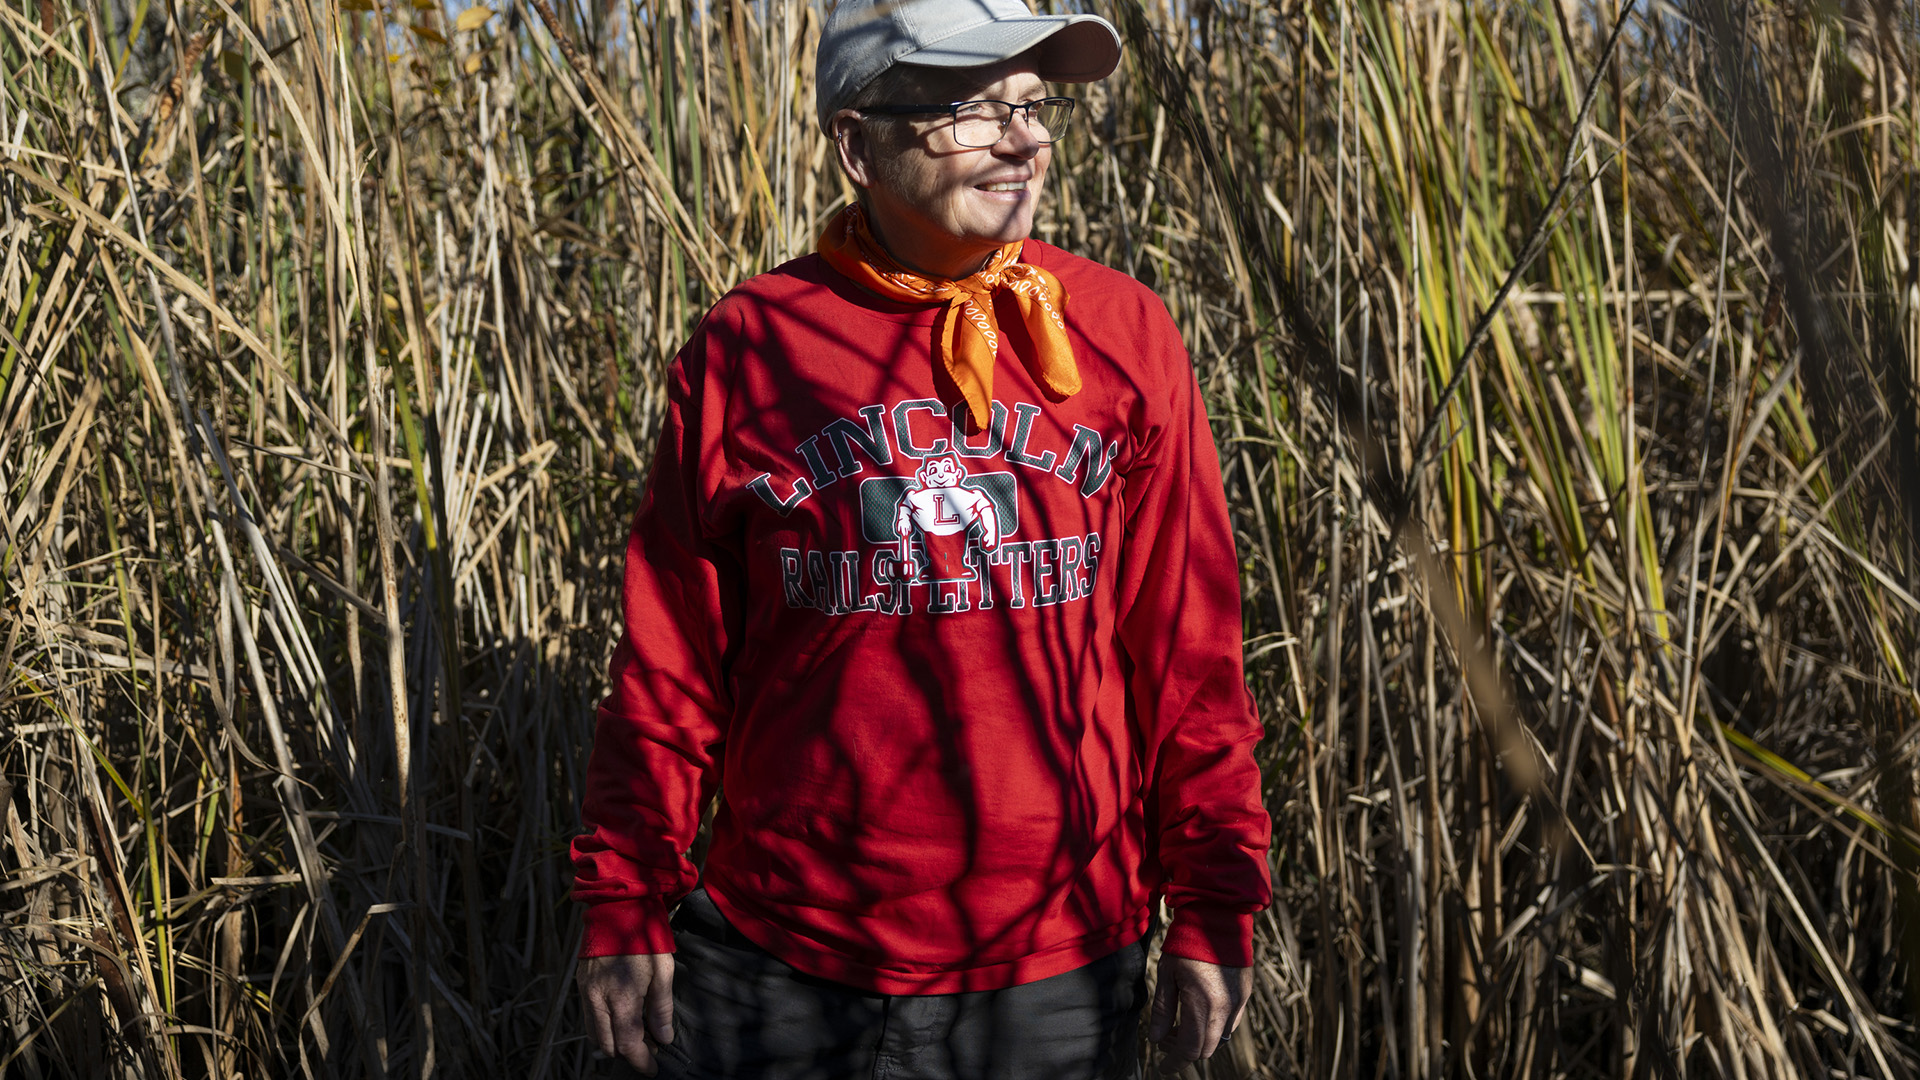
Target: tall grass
1564	383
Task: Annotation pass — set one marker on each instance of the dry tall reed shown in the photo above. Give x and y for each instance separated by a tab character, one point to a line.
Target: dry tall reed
1561	356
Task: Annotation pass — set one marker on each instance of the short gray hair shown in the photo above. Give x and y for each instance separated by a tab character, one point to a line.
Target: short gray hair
898	84
900	80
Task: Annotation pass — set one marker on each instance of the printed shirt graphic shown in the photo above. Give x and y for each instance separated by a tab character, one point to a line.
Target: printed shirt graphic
975	697
947	524
950	524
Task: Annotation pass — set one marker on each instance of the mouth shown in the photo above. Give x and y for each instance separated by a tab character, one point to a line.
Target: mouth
1004	185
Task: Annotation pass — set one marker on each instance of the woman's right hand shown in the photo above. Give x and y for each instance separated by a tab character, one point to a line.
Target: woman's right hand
629	1005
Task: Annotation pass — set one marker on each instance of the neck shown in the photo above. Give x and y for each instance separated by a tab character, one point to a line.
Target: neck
949	262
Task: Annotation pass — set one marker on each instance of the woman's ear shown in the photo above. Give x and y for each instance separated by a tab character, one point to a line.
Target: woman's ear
854	148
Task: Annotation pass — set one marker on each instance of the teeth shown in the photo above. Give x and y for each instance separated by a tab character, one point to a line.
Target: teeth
1010	185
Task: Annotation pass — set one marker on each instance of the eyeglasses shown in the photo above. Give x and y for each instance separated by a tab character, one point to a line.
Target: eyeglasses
984	123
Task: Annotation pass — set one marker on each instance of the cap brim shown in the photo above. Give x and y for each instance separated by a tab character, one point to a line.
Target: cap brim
1073	48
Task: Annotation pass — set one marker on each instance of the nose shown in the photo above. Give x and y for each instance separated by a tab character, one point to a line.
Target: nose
1018	140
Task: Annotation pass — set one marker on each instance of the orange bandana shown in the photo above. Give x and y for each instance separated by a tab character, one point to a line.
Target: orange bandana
967	335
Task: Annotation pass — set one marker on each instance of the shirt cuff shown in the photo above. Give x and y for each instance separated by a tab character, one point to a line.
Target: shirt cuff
1211	934
626	928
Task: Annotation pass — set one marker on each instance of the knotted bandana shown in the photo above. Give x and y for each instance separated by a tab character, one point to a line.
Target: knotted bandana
967	336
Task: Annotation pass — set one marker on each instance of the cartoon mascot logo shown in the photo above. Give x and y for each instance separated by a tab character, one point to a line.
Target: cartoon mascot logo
948	520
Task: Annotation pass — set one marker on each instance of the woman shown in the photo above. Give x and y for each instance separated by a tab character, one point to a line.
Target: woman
934	584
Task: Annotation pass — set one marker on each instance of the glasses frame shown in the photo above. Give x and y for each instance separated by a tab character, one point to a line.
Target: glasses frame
952	109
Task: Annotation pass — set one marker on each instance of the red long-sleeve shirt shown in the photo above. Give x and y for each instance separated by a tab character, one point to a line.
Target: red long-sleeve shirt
948	760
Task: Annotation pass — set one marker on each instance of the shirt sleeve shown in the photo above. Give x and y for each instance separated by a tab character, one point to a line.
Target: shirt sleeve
1180	629
657	735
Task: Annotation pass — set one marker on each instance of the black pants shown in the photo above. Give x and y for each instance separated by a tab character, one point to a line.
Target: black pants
741	1014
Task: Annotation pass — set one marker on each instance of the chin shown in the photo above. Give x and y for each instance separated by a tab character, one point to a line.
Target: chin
1001	233
1008	236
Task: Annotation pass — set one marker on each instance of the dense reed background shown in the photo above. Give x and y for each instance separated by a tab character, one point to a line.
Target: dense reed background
1561	356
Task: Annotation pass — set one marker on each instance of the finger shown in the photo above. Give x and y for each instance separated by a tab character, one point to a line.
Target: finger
659	1006
640	1056
632	1037
624	1010
1180	1045
1237	1013
1160	1019
599	1022
1199	1026
1222	1011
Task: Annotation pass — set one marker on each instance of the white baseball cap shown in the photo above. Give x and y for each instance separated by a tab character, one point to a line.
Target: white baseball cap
866	37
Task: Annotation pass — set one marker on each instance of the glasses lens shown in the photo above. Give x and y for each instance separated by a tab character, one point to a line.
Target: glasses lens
984	123
979	123
1049	118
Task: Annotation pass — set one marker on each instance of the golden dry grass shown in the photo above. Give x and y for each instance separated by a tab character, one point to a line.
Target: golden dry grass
1564	383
